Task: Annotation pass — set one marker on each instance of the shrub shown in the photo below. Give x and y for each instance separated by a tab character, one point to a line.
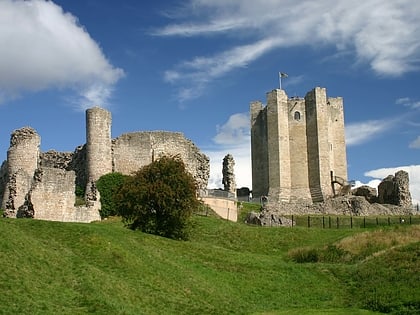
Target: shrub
304	255
159	199
108	185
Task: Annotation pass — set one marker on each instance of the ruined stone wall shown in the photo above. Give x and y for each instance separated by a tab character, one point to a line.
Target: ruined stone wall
134	150
69	161
228	172
53	197
394	190
43	185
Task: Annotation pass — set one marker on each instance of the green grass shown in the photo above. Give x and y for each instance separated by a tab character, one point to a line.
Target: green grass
225	268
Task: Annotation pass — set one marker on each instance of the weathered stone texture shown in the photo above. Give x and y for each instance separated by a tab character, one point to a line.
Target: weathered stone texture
42	185
228	172
98	143
131	151
22	161
266	218
297	145
368	192
394	190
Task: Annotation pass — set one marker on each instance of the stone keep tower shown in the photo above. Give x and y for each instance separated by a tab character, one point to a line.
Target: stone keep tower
298	147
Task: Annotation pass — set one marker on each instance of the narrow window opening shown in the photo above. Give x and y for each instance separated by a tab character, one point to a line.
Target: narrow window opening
297	116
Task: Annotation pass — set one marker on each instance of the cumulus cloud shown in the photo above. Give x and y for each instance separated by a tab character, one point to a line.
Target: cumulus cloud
383	34
43	47
233	137
362	132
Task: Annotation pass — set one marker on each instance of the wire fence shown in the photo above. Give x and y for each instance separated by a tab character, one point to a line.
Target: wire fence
350	222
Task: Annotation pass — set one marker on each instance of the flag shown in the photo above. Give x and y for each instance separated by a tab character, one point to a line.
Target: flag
283	75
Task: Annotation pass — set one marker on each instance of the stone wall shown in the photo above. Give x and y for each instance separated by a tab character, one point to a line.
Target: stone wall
53	198
394	190
131	151
42	185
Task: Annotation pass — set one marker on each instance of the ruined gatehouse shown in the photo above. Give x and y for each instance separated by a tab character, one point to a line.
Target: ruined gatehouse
42	185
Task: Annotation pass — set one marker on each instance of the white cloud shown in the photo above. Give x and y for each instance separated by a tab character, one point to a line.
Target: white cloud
413	173
408	102
44	47
415	144
383	34
233	137
198	72
361	132
235	131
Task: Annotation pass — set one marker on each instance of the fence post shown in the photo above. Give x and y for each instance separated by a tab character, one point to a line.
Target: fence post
329	222
292	220
351	222
389	221
377	221
323	222
364	222
338	222
309	221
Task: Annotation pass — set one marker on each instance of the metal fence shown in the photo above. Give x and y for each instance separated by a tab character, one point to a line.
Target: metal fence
350	222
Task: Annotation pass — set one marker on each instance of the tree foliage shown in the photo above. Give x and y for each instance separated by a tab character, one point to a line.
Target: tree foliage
159	199
108	185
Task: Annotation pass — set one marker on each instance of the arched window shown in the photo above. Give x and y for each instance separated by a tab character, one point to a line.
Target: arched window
297	116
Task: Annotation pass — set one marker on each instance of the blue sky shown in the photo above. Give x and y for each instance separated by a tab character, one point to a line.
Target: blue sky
194	66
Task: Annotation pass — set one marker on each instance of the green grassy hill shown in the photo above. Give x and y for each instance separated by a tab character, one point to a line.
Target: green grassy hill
226	268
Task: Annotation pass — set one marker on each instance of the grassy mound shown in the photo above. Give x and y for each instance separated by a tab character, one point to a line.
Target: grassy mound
226	268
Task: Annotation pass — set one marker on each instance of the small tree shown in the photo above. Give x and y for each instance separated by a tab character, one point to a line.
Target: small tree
108	185
159	199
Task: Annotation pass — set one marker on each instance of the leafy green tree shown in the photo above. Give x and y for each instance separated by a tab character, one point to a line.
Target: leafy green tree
108	185
159	198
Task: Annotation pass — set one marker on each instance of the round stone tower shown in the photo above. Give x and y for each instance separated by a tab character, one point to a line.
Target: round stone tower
22	162
98	143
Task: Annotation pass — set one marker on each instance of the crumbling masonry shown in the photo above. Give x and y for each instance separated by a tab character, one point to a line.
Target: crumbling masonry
42	184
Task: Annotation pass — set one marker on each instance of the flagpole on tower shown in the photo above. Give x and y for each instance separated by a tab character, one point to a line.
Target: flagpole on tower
281	76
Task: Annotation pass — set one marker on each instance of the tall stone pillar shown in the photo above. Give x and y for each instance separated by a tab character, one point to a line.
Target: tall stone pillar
98	143
318	144
278	146
98	151
229	183
259	149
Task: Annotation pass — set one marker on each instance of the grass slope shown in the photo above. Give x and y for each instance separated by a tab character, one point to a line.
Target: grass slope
226	268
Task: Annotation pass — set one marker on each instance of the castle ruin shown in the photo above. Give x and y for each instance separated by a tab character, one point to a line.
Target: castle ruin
298	148
42	185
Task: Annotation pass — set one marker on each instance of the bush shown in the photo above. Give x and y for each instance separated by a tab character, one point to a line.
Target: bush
108	185
159	199
304	255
